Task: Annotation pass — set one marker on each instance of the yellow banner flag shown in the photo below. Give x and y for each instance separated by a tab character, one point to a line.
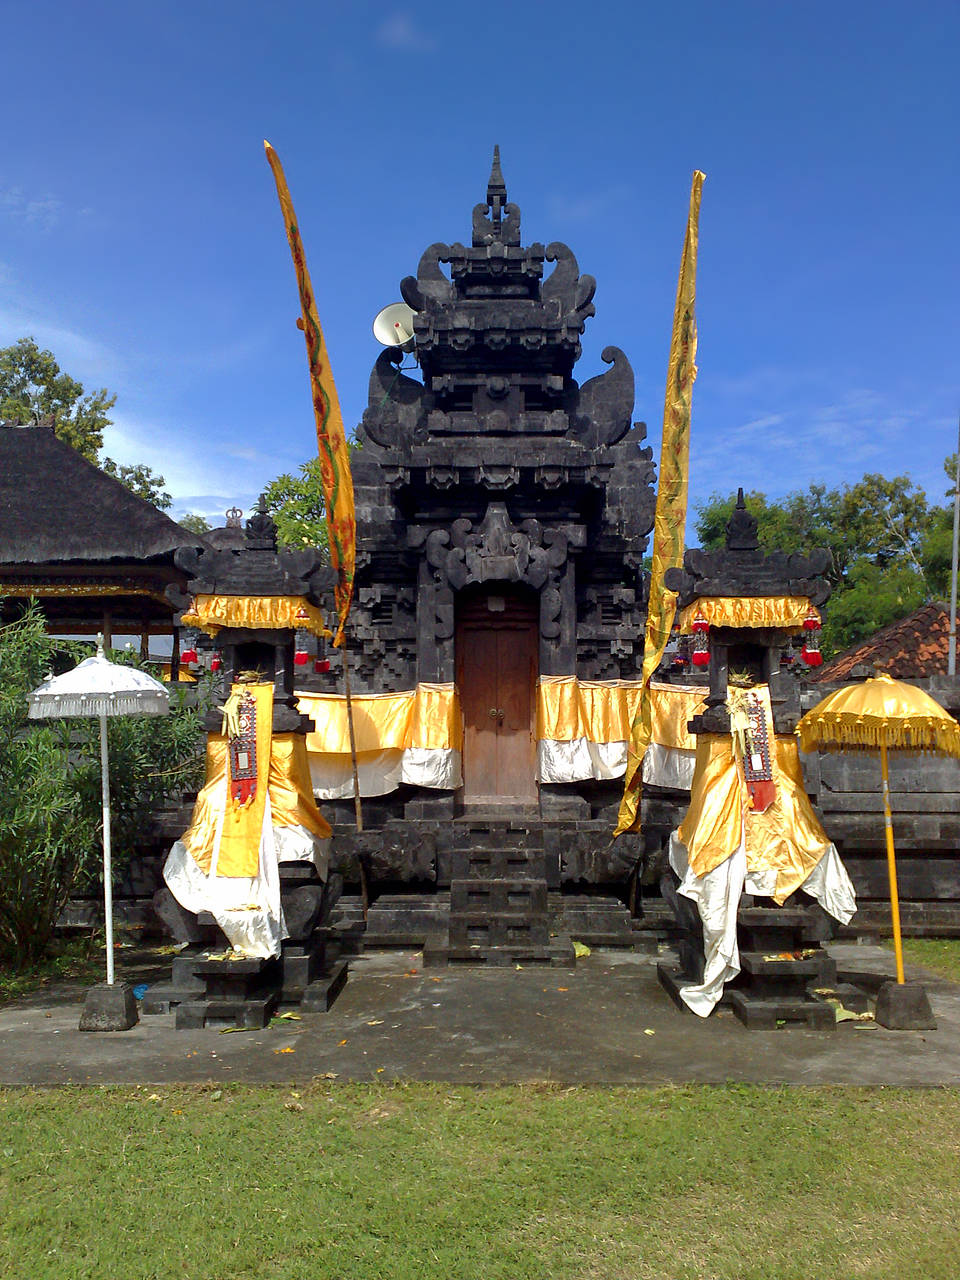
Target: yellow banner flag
331	439
671	511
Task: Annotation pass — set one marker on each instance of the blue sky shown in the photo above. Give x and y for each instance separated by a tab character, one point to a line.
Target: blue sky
140	237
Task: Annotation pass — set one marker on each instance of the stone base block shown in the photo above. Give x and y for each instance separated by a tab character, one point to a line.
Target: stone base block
248	1015
109	1007
767	1015
903	1006
320	994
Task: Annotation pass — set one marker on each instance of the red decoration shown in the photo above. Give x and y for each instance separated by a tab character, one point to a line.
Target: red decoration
189	655
216	662
301	658
700	653
810	653
321	666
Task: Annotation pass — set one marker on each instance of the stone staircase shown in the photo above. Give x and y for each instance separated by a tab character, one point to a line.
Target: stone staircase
498	913
503	904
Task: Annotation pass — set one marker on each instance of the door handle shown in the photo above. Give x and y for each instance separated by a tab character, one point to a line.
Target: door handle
495	713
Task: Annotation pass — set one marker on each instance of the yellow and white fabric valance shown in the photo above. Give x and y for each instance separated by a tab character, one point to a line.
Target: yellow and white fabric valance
273	613
415	737
787	613
411	738
583	728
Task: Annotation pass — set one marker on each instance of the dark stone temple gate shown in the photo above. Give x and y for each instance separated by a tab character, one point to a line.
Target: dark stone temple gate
503	511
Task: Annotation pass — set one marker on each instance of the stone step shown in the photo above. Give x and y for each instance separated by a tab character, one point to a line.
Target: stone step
498	929
498	864
438	952
496	895
765	1015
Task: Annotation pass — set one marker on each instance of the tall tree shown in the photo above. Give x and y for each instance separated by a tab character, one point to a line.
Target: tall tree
296	503
32	387
140	480
883	536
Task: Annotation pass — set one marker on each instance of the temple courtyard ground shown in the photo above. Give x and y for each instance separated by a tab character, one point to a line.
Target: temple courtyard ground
534	1124
606	1021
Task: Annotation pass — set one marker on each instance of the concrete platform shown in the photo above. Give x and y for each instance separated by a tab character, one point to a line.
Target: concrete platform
607	1021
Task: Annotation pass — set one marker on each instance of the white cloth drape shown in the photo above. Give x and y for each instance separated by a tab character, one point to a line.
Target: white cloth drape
717	896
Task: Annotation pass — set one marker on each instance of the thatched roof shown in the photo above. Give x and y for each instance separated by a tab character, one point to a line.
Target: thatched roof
56	506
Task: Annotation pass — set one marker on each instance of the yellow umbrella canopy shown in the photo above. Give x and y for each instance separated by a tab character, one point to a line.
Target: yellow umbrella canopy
881	712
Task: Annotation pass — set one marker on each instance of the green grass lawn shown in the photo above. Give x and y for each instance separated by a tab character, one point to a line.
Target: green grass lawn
939	955
429	1182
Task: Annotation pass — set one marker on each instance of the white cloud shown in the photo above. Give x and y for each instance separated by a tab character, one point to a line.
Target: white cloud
38	211
401	32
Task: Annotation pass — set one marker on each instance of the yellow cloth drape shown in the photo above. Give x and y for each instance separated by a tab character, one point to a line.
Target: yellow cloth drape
291	794
428	716
785	612
604	710
210	613
331	438
671	510
242	823
291	805
787	837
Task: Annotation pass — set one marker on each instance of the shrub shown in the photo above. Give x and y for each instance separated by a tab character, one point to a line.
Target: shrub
50	809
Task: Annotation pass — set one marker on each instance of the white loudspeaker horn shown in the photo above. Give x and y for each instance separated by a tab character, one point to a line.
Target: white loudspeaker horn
393	327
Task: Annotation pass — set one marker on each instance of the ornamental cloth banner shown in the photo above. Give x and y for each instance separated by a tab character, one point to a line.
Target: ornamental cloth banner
671	512
331	439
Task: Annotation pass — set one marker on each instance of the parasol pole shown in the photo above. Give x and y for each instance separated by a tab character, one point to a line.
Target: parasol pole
107	862
891	861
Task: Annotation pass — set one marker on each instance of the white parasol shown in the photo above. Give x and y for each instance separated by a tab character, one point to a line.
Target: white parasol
98	687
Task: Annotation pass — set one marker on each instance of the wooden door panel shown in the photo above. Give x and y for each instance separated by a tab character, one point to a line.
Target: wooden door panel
478	695
496	674
516	746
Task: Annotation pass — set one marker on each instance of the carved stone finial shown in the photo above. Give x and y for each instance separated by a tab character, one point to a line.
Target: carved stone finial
234	516
742	528
261	528
496	187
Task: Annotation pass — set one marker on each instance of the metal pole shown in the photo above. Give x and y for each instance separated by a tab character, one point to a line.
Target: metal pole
952	640
107	862
891	862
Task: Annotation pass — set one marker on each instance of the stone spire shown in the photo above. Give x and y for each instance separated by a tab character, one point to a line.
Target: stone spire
496	190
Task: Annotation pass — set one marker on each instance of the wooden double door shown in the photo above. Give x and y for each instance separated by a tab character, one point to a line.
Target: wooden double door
497	650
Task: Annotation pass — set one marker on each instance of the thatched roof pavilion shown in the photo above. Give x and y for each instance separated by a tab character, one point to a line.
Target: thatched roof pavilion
96	556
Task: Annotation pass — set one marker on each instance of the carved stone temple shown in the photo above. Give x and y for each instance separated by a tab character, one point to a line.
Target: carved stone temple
503	509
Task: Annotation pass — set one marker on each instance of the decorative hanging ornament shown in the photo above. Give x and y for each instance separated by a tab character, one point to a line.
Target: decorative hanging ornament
700	653
321	666
301	657
810	653
189	655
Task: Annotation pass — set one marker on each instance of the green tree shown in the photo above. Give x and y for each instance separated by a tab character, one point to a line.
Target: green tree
882	536
140	480
194	523
296	503
870	598
33	387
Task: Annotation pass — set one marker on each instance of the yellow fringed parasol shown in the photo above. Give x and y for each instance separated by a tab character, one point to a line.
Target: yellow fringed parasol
882	714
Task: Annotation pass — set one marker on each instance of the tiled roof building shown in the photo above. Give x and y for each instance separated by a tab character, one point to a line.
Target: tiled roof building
914	647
